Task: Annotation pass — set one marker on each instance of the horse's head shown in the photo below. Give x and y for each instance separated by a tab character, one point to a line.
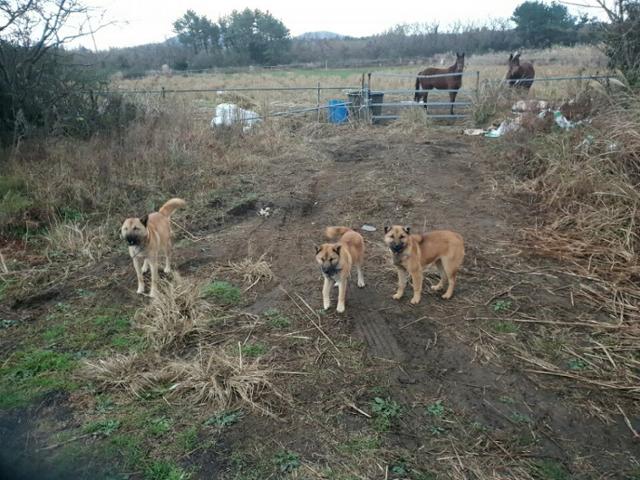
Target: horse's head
514	65
459	61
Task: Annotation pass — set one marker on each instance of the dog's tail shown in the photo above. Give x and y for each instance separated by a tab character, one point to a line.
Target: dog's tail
168	208
333	233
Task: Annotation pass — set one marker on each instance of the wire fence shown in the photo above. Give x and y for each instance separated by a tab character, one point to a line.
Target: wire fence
365	102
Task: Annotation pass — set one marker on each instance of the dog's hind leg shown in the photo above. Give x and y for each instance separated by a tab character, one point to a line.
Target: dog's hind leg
342	293
154	278
443	277
451	270
145	266
360	276
326	293
136	265
167	261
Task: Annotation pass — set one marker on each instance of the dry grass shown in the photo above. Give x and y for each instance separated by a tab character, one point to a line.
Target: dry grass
85	242
133	372
175	316
252	271
585	185
216	378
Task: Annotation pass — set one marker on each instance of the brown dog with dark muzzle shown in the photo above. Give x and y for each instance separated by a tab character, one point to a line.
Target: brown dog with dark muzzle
336	261
413	252
149	238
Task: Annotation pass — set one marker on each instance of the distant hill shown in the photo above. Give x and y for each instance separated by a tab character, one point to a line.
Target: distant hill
320	36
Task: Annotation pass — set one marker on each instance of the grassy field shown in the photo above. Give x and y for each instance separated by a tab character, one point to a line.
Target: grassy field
560	61
235	372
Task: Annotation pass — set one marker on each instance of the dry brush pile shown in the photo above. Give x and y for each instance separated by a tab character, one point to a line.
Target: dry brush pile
182	360
585	185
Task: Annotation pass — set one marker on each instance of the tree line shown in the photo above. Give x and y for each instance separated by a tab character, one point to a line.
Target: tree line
45	88
254	37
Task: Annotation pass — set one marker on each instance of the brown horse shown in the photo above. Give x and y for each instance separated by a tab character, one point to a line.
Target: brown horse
449	82
520	75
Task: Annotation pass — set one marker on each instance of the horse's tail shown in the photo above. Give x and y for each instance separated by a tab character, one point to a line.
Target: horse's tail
416	96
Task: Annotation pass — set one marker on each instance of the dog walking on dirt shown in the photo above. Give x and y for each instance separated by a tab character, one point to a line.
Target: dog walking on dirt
336	261
149	238
413	252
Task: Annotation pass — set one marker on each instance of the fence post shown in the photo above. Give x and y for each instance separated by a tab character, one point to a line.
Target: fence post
318	104
477	85
162	93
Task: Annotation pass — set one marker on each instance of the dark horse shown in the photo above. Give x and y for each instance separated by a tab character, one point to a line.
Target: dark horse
449	82
520	75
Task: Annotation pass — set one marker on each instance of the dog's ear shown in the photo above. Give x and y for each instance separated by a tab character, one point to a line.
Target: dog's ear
144	220
337	249
317	249
386	228
407	230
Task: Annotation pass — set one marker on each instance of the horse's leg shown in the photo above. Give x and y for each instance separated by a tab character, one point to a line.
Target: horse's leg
452	99
425	97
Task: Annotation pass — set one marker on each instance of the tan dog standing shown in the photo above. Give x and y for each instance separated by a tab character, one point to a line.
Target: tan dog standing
413	252
336	261
149	238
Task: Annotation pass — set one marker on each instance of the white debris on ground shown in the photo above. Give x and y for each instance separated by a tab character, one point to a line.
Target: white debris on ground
228	114
264	212
540	107
536	106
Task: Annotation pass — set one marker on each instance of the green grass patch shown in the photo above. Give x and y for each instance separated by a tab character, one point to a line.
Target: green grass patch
254	349
500	306
505	327
360	445
103	427
165	470
33	373
159	426
225	418
276	319
549	470
188	439
286	461
53	333
222	293
385	413
435	409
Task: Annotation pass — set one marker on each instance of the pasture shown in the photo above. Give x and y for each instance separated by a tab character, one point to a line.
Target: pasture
235	372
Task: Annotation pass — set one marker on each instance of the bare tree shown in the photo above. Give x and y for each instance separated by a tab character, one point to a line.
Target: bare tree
35	71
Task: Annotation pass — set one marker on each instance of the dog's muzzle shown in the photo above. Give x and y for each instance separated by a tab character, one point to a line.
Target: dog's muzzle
132	240
330	271
397	247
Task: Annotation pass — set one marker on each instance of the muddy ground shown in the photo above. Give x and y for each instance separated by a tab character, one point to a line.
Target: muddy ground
500	419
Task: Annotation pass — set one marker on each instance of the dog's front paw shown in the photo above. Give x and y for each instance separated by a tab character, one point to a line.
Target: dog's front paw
447	295
153	294
140	290
415	300
326	305
340	308
361	284
167	270
435	288
397	296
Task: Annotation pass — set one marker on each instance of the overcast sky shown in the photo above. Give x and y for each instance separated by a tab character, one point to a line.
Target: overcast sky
146	21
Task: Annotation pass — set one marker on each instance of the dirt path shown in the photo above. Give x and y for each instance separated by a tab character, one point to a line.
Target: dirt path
441	349
458	352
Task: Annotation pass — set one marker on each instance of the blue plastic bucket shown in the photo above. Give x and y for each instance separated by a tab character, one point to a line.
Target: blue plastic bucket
338	112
